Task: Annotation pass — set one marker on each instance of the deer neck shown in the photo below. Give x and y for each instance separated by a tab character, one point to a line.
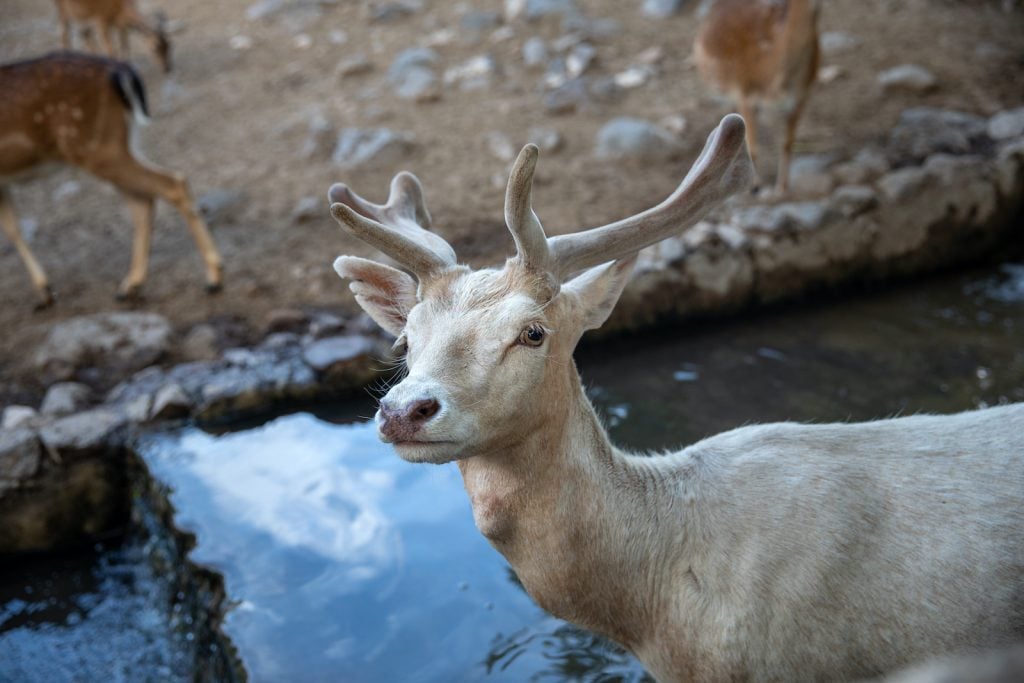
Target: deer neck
572	516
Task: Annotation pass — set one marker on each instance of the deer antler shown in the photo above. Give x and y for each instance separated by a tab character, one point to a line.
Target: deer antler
398	228
722	168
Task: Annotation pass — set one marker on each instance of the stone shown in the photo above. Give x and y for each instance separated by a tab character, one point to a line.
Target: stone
221	205
240	42
909	77
202	342
473	74
1006	124
803	215
674	123
567	98
286	320
513	9
353	65
660	9
392	11
809	174
123	341
319	135
579	59
412	74
837	42
17	416
480	21
923	131
759	219
539	9
903	183
635	139
170	402
500	146
20	456
307	209
64	398
634	76
548	140
371	147
853	200
325	354
67	190
264	9
89	431
535	52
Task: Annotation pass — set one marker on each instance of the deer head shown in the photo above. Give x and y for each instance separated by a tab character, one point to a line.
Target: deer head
489	352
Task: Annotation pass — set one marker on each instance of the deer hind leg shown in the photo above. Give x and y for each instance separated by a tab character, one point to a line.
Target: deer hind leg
748	111
141	208
141	180
792	118
35	271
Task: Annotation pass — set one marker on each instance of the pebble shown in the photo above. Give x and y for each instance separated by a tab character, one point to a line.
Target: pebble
910	77
636	139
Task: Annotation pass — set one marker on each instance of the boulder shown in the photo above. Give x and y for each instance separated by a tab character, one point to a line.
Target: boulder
65	398
20	455
17	416
923	131
120	341
1006	124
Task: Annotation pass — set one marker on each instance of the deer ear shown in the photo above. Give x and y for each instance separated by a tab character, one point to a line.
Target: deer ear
598	289
385	293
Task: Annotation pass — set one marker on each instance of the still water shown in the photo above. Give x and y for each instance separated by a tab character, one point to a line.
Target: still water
345	563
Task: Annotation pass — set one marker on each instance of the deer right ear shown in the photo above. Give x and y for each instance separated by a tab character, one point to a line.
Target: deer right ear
385	293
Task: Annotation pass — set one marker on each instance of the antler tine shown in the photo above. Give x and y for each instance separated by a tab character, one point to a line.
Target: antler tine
395	228
722	169
522	222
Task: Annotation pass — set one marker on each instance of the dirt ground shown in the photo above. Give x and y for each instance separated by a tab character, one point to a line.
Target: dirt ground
235	120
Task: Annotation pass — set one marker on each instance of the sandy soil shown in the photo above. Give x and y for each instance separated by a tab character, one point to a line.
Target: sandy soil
235	120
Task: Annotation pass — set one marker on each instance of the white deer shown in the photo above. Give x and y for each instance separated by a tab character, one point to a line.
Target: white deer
779	552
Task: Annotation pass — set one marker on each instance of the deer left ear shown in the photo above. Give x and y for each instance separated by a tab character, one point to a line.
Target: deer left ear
385	293
598	290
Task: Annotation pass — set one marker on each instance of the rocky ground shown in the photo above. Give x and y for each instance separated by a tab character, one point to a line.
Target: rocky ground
271	101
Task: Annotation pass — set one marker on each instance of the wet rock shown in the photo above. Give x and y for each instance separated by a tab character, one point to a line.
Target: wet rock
535	52
903	183
909	77
548	140
635	139
371	147
20	455
221	206
17	416
837	42
170	402
660	9
229	391
923	131
473	74
64	398
853	200
202	342
119	341
84	433
1006	124
354	65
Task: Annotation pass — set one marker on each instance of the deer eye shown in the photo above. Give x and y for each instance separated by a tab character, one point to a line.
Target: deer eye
532	336
401	347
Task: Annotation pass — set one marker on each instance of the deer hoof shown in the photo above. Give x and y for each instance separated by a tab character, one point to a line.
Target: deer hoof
133	293
214	287
46	298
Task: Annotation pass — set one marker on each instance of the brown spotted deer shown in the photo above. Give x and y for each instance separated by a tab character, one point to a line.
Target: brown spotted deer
761	50
78	109
780	552
105	16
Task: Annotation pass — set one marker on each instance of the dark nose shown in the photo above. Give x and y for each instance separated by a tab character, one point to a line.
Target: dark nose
402	422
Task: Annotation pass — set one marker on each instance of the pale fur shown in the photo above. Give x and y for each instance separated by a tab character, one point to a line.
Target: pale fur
780	552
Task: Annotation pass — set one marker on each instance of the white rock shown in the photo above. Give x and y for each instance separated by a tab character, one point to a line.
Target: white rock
910	77
1007	124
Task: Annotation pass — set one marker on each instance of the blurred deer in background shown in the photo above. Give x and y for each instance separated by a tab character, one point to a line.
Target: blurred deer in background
103	16
78	109
779	552
761	50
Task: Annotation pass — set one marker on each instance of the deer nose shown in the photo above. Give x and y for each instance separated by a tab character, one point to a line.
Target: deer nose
400	423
